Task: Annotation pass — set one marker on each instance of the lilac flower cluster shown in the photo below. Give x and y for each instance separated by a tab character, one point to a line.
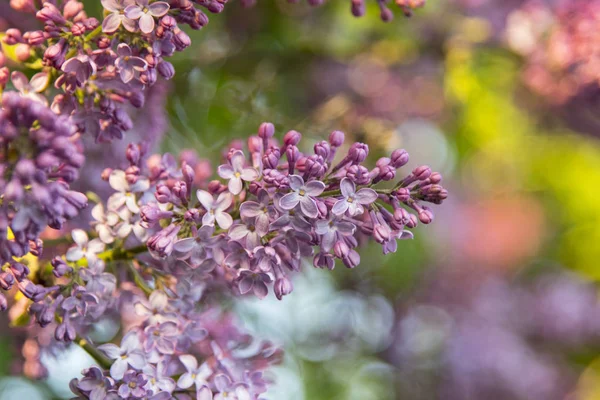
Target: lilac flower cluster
280	205
40	156
95	67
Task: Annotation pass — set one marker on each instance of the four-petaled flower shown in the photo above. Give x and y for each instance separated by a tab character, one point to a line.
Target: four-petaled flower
194	375
128	64
248	233
330	229
353	201
145	13
31	88
117	16
215	209
236	172
128	354
84	247
255	281
303	194
125	195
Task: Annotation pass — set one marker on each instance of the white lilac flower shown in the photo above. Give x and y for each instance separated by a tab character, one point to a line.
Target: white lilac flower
236	172
215	209
128	354
117	16
130	222
330	229
31	88
126	192
84	248
353	201
104	223
194	375
146	13
303	194
127	64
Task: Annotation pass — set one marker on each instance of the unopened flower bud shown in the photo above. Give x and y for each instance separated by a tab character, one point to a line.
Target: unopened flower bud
358	153
292	138
166	69
399	158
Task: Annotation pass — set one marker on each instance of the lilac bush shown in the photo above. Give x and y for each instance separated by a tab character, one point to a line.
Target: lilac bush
166	251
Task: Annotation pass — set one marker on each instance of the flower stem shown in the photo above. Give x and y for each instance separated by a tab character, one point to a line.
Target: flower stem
94	352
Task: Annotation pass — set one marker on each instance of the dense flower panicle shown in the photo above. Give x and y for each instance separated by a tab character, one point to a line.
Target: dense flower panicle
40	156
255	228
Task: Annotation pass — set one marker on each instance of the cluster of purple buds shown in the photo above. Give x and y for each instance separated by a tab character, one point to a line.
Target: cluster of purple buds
94	66
40	156
280	205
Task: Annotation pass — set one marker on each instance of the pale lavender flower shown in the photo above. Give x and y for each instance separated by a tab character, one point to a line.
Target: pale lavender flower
195	249
303	194
248	233
194	375
255	281
156	311
130	222
262	211
127	64
81	67
237	255
227	390
215	209
79	300
104	223
31	88
98	281
146	13
162	337
157	380
117	16
133	385
353	200
126	192
95	383
128	354
236	172
84	248
330	229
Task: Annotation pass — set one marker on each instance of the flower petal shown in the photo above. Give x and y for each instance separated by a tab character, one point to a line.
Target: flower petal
260	289
309	207
118	181
289	201
366	196
235	185
80	237
296	182
205	199
159	8
189	362
111	23
315	188
340	207
146	23
111	350
225	171
223	219
19	80
117	370
347	187
185	381
246	284
39	82
133	12
249	174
